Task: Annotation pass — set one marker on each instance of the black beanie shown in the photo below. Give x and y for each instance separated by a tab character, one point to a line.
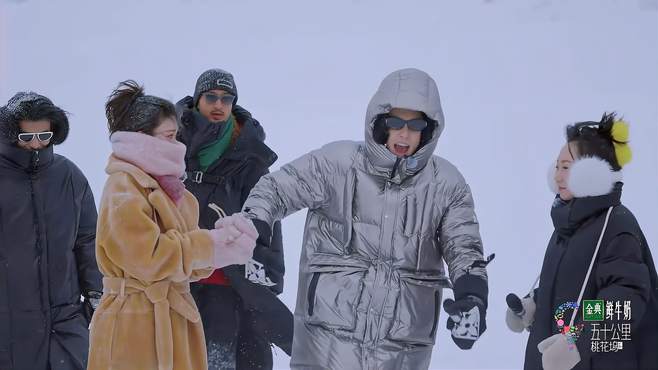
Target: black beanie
215	79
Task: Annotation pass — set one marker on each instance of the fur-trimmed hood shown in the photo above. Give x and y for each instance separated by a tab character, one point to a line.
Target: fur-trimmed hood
588	177
32	106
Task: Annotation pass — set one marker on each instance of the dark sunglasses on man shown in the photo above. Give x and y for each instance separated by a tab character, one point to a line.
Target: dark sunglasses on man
395	123
213	98
26	137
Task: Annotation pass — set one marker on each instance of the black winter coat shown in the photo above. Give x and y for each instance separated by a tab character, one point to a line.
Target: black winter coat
47	260
624	271
228	181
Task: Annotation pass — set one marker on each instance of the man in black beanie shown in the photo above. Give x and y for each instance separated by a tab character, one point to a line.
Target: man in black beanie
226	156
47	242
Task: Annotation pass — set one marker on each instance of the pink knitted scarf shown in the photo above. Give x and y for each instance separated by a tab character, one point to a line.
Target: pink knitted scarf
162	159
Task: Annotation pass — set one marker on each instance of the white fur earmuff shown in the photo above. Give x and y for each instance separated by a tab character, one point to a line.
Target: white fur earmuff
591	177
588	177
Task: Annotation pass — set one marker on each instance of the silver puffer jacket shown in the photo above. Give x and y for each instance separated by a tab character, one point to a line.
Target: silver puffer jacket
371	272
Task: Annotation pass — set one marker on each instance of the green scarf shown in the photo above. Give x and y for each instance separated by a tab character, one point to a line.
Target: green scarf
211	152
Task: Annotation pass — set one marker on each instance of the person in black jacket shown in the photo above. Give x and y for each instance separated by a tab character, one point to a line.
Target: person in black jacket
597	252
47	242
226	156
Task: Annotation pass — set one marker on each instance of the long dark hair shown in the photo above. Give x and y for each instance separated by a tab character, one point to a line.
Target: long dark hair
595	139
129	109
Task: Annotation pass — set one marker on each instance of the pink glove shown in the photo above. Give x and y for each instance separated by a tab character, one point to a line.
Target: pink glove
240	222
229	233
231	247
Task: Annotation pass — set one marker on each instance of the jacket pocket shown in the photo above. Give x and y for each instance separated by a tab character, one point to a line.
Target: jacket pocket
334	292
329	238
410	222
69	336
417	308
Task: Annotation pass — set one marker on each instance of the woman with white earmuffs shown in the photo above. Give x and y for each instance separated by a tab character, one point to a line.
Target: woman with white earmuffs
597	252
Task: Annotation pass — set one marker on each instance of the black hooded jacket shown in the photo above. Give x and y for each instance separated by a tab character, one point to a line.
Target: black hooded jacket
47	255
624	271
228	181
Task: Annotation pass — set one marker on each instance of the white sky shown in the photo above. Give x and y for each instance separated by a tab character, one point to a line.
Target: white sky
511	75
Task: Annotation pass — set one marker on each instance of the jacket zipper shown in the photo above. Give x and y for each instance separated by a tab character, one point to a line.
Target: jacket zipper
34	165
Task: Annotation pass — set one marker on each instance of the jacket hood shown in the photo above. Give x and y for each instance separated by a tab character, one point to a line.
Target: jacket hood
21	107
409	89
185	114
196	132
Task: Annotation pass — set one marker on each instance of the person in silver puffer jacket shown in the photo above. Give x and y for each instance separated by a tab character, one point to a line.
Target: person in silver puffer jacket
383	215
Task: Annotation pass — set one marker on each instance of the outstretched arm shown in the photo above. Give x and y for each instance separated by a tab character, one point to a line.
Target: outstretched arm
297	185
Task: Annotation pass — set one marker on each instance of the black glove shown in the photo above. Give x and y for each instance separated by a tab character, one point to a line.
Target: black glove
467	321
92	299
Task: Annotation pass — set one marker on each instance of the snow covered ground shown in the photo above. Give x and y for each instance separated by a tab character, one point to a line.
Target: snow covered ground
511	74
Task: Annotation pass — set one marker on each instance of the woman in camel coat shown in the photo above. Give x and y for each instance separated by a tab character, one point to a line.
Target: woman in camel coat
149	246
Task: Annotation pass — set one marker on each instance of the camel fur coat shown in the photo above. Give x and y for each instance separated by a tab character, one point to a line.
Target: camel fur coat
148	250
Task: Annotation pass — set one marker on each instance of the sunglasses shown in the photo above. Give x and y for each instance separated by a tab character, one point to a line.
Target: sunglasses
26	137
417	124
212	98
583	130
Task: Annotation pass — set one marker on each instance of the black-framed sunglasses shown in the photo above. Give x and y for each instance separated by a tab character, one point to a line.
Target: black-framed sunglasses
416	124
26	137
225	99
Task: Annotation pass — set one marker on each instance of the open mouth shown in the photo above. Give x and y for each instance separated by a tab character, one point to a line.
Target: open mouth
217	116
400	149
